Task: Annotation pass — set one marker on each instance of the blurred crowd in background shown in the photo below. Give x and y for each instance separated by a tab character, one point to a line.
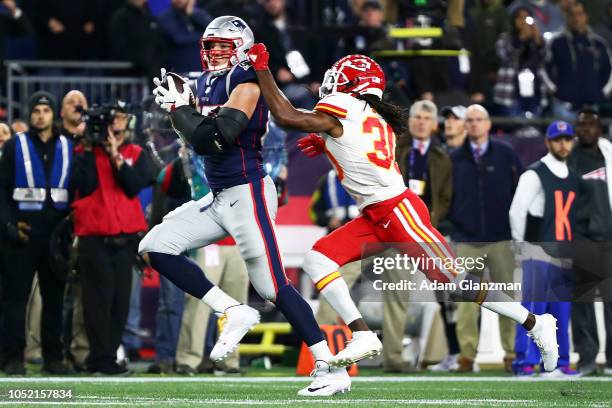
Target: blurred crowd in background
526	57
71	281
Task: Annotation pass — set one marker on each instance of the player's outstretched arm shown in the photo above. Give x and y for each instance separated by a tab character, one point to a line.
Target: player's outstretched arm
284	112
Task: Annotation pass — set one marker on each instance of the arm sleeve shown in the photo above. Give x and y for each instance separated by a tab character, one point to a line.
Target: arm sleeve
84	178
134	178
529	186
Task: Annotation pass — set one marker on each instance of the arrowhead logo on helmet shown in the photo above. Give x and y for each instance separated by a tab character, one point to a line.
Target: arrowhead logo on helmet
229	30
354	75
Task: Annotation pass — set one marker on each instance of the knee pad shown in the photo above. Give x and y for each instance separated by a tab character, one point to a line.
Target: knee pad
261	277
266	292
153	242
252	249
145	244
318	266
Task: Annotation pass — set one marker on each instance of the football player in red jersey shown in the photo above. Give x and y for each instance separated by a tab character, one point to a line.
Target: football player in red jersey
357	132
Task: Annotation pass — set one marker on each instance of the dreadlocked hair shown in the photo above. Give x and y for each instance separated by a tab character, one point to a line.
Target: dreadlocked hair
394	115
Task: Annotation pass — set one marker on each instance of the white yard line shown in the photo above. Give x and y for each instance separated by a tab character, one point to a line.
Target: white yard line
406	379
146	401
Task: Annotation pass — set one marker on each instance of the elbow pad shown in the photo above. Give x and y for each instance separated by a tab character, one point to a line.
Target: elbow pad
209	134
231	123
198	130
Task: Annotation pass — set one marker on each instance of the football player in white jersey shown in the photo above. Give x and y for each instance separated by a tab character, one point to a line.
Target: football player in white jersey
242	202
357	132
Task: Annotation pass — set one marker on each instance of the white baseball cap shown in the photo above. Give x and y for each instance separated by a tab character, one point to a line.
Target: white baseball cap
458	111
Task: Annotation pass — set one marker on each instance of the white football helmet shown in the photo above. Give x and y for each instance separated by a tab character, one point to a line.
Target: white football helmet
225	29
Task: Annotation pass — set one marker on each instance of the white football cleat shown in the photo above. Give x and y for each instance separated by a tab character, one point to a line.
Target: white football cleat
327	381
238	321
363	345
544	335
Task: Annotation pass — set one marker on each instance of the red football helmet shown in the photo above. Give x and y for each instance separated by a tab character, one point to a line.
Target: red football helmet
354	75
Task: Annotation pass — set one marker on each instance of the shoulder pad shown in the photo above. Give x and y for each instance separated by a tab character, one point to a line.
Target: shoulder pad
239	74
201	81
336	104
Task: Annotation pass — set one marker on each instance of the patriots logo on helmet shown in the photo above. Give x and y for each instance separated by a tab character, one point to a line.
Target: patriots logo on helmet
239	24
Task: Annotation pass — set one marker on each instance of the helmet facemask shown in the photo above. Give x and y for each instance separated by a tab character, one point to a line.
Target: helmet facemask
332	80
207	54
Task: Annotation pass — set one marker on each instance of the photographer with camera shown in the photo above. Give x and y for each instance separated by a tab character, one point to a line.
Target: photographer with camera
109	172
34	174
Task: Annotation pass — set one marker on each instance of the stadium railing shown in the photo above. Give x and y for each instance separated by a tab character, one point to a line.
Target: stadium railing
101	82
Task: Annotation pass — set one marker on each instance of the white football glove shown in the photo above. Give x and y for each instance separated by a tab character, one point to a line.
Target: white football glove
170	99
162	75
157	81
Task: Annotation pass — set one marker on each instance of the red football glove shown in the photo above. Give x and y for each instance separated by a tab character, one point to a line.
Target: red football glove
259	57
311	145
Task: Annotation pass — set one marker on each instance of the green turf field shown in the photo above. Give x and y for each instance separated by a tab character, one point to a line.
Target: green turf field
269	389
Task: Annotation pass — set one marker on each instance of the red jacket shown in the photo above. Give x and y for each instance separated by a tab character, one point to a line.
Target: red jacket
108	210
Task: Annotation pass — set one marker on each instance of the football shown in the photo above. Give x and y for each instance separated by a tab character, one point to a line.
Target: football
180	84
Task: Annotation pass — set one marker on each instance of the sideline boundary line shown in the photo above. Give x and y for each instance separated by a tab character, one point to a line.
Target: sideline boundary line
144	380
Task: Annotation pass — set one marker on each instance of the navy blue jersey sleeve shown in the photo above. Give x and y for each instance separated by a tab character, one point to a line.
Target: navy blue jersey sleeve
240	75
200	85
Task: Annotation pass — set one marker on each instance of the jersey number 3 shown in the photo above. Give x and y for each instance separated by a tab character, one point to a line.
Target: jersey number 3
384	144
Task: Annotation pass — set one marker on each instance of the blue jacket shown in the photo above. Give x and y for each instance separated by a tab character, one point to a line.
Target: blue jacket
274	150
578	68
482	193
183	33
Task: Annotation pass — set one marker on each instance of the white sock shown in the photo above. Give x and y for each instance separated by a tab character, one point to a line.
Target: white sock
218	300
513	310
338	295
328	281
321	351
